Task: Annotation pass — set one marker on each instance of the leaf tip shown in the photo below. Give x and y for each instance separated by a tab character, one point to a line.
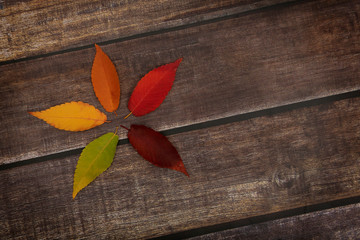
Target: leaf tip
35	114
184	172
179	60
98	48
74	194
180	167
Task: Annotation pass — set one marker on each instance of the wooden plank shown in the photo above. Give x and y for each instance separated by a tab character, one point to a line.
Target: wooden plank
240	65
39	27
249	168
336	223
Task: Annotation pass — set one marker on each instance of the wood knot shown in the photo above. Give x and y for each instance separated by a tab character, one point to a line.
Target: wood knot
286	176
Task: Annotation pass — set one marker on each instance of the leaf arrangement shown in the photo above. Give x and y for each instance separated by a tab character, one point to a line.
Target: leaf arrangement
147	96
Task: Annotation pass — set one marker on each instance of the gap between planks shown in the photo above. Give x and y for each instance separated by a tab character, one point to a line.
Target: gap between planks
202	125
152	33
260	219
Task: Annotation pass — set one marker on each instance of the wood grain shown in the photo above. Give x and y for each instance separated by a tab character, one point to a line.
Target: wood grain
240	65
38	27
336	223
249	168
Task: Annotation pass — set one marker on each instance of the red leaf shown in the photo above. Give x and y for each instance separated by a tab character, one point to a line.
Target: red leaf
155	148
152	89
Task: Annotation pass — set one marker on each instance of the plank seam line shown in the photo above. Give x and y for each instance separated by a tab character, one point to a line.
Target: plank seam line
152	33
203	125
263	112
260	219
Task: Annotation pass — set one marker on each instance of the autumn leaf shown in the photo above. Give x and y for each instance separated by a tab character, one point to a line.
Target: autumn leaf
152	89
155	148
105	81
72	116
96	157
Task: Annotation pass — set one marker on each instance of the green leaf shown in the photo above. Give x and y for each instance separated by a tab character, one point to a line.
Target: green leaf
96	157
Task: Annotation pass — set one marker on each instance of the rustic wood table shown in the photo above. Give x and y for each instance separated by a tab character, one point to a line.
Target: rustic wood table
264	111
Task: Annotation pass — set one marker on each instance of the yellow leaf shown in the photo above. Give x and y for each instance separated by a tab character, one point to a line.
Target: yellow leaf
73	116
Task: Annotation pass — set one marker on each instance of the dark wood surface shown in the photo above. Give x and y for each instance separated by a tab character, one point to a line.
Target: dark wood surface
239	170
35	27
338	223
264	111
261	61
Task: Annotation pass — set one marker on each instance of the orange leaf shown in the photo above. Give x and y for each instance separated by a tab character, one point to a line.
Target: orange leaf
105	81
73	116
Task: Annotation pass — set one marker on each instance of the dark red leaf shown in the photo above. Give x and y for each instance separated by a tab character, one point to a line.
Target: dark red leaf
152	89
155	147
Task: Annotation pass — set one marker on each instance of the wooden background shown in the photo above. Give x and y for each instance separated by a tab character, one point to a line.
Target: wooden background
264	111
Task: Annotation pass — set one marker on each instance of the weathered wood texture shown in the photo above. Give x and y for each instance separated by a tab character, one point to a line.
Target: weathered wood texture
336	223
249	168
252	62
37	27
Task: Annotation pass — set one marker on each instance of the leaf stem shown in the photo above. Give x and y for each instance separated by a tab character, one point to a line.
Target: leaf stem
116	130
124	127
128	115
